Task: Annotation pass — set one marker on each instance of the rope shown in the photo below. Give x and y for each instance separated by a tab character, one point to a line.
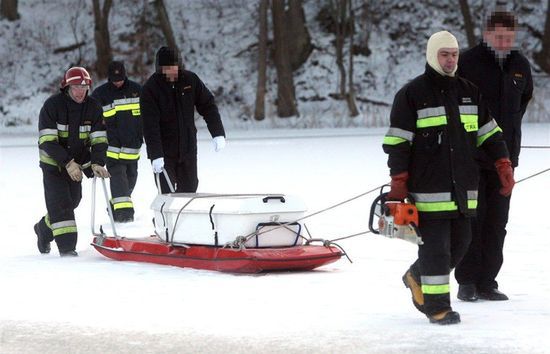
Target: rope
535	147
533	175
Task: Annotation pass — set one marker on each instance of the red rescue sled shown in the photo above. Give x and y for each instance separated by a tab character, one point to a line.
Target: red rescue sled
247	260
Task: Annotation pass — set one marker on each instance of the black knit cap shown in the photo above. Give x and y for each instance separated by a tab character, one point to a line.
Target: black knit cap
116	71
167	56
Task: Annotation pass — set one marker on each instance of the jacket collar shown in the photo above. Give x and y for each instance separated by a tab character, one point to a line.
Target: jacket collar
443	82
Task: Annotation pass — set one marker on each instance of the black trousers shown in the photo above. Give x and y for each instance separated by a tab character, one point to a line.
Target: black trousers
123	180
183	175
62	197
484	258
445	243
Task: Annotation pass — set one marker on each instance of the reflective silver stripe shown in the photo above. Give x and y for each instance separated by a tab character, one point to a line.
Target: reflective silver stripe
63	127
125	101
472	194
108	107
432	197
57	225
400	133
86	165
47	132
126	150
121	199
84	128
487	127
434	279
430	112
113	149
98	134
43	153
467	109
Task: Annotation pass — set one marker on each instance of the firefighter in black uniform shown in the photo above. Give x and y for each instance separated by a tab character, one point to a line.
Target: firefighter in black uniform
72	140
120	100
437	124
168	101
503	77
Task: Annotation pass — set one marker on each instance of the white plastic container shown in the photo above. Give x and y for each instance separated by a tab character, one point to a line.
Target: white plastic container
215	219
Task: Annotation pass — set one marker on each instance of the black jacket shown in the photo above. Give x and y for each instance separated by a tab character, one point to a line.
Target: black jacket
168	112
122	117
506	89
437	124
70	130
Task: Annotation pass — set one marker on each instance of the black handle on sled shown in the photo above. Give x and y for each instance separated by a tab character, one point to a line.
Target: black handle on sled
279	197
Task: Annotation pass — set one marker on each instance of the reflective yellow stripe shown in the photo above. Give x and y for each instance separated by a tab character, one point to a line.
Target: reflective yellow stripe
45	138
123	205
99	140
431	122
84	135
134	107
63	134
436	289
112	155
481	139
136	112
436	206
109	113
469	121
472	204
126	156
64	230
392	140
127	107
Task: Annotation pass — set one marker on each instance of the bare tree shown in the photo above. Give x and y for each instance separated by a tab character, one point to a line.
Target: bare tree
102	38
8	10
352	105
286	99
165	25
339	15
468	24
542	58
259	111
300	46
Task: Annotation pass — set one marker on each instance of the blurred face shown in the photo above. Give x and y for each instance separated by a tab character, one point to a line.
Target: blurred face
170	72
118	84
78	92
500	38
447	58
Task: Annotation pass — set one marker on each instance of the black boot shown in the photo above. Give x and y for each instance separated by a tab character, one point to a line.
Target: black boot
413	284
42	243
492	294
72	253
445	318
467	292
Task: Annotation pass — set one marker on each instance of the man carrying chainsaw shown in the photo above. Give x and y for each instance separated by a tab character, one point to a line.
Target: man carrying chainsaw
72	142
437	123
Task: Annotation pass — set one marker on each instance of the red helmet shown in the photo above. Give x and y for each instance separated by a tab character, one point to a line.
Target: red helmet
76	76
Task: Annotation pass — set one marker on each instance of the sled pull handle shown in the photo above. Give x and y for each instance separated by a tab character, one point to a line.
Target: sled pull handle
278	197
109	210
168	181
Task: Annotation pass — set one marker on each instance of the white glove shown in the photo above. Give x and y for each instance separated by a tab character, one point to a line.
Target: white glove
158	165
218	142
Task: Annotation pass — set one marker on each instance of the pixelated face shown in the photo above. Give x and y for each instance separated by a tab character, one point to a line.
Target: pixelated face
447	58
78	92
118	83
500	38
170	72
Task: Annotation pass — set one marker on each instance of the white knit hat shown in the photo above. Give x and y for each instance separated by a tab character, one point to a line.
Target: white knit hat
438	40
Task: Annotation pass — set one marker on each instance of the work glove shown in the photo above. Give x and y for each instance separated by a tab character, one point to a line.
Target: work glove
398	186
74	170
218	142
158	165
506	176
100	171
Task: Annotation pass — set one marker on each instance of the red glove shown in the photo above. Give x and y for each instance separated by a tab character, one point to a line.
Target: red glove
506	176
398	186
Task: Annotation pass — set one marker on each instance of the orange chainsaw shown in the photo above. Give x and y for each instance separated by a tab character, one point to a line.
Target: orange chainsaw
395	218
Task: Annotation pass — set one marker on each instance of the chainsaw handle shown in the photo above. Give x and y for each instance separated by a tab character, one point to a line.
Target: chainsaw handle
381	200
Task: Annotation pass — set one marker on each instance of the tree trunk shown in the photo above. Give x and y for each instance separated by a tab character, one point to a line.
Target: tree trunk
352	105
101	36
468	25
340	19
286	99
8	10
259	111
300	46
164	21
542	58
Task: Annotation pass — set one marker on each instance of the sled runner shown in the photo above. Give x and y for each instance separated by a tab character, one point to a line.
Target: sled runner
243	233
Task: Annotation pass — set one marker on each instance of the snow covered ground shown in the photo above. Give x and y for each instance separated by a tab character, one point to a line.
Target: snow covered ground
92	304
